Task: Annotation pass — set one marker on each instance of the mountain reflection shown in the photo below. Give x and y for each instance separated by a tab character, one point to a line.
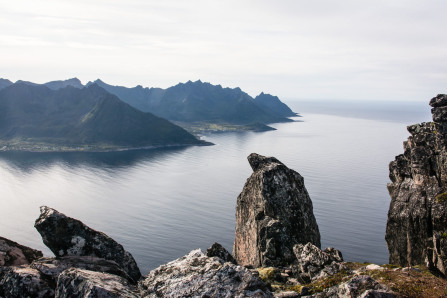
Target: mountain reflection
27	161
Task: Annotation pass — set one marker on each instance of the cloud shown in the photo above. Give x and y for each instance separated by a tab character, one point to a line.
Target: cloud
313	49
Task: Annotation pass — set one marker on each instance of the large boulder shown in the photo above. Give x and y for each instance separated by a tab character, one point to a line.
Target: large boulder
197	275
273	213
75	282
67	236
416	230
14	254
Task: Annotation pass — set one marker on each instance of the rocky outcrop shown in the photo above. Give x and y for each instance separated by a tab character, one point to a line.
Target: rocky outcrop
197	275
217	250
66	236
314	263
273	213
84	283
14	254
416	230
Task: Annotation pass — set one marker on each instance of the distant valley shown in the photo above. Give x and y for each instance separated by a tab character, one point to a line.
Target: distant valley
68	116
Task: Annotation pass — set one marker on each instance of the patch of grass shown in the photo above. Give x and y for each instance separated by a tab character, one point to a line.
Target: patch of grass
441	197
266	274
444	235
330	281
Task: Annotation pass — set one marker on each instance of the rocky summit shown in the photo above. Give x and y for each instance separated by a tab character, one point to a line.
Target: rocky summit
416	231
273	213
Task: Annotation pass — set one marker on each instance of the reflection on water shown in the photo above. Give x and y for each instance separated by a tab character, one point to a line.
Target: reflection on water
26	161
160	204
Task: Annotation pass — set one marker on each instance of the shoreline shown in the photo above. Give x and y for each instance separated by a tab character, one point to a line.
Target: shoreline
51	148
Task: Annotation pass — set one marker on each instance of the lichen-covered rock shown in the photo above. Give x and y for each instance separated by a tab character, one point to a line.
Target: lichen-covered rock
75	282
217	250
314	263
273	213
197	275
23	281
14	254
52	267
363	286
417	220
66	236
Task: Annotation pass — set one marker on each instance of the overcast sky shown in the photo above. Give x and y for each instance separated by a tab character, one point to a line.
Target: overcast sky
308	49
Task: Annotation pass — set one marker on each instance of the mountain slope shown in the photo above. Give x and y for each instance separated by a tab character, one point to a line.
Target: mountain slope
80	117
273	104
202	102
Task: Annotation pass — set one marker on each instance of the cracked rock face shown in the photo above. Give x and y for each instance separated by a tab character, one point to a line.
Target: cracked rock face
416	230
314	263
67	236
76	282
197	275
273	213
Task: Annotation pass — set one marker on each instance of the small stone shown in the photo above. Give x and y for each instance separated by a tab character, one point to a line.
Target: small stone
374	267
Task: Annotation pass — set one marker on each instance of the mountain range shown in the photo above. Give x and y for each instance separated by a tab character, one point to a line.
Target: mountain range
66	113
203	102
37	118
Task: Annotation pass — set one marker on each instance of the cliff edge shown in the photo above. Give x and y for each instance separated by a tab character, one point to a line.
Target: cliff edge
416	231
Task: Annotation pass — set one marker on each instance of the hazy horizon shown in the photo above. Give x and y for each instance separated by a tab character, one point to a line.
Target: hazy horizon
368	50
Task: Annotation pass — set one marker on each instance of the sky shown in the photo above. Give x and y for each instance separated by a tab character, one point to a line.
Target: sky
295	49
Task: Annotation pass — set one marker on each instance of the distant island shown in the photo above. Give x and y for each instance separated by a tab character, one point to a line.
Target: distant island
36	118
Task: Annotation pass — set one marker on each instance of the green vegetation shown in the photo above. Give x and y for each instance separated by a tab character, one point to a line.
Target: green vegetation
441	197
200	128
417	281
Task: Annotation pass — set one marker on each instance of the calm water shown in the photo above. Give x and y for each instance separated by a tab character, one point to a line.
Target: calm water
160	204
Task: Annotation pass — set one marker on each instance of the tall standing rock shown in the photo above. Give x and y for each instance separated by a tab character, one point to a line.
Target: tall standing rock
66	236
416	230
273	213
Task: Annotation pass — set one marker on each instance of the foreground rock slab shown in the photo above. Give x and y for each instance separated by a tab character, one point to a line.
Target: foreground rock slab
24	282
417	217
197	275
52	267
14	254
67	236
273	213
84	283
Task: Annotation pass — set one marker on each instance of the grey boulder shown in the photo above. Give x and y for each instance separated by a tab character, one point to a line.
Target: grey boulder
66	236
197	275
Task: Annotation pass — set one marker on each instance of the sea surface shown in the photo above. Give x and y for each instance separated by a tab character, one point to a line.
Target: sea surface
160	204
